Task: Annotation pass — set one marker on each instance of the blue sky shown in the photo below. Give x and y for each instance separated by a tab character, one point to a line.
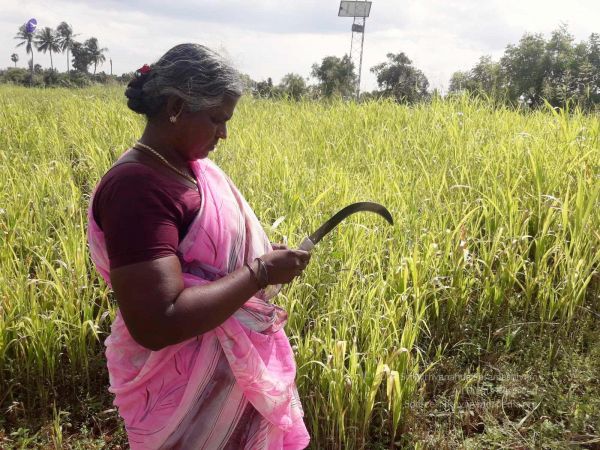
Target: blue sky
271	38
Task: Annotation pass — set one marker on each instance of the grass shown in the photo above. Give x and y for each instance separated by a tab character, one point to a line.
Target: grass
404	336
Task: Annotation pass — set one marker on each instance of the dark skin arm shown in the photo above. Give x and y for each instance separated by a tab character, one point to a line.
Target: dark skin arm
158	311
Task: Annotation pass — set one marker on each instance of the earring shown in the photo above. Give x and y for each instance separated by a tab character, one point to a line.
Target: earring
173	119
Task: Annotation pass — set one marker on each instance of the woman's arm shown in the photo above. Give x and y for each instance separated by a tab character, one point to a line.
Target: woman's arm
158	311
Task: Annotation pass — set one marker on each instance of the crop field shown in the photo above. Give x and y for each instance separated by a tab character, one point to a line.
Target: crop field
472	322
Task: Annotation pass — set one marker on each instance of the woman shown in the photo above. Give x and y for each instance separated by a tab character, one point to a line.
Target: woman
197	356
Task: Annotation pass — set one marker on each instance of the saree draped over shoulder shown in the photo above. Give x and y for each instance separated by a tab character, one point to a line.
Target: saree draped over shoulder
232	387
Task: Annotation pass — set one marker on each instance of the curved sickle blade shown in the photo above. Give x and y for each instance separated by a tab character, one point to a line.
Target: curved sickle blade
314	238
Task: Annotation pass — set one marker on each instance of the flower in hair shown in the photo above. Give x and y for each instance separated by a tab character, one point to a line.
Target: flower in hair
144	69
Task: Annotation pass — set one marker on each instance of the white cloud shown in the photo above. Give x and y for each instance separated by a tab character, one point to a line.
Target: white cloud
271	38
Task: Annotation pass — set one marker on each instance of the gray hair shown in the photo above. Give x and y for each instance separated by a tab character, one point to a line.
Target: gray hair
192	72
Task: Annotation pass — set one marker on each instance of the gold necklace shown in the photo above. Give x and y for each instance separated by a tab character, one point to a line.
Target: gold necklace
167	163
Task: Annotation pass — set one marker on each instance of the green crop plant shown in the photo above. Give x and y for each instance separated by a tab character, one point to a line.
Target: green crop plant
496	223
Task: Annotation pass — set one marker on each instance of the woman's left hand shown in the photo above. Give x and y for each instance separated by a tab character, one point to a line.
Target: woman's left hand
279	246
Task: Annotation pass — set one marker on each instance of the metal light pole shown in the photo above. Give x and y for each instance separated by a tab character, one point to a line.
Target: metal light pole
359	10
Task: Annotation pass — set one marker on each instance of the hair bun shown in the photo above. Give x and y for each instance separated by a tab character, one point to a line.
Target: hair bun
132	92
135	94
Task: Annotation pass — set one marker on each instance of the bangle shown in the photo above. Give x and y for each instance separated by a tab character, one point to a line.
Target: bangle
261	279
265	275
253	274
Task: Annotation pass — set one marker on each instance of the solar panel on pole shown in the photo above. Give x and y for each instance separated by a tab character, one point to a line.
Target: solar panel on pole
359	10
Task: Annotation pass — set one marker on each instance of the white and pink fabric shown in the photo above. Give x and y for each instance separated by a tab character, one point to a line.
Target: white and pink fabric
230	388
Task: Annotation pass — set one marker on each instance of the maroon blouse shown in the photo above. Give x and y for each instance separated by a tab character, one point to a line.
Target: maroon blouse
143	213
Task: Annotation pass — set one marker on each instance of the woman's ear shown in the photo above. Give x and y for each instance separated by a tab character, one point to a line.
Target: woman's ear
174	107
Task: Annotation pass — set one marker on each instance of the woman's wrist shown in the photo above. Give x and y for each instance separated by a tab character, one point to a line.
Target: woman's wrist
256	273
263	276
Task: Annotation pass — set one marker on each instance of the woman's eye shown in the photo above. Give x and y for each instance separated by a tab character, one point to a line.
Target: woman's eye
217	121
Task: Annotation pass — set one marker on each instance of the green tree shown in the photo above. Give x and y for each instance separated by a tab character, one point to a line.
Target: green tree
561	66
557	70
336	76
82	59
525	66
459	82
26	38
96	53
560	51
485	78
264	89
593	58
398	78
14	58
248	82
65	39
586	86
293	85
47	41
594	51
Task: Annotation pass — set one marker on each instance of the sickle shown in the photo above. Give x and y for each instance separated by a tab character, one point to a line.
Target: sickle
310	241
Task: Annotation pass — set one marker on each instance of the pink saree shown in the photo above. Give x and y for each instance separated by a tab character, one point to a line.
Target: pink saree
230	388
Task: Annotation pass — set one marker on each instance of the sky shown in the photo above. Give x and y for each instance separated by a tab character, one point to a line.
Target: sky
269	38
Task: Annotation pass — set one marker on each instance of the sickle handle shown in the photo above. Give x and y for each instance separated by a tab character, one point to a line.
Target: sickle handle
306	245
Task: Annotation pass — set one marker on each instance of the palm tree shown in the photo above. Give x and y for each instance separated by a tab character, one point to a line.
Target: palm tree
26	37
96	53
65	39
14	58
47	40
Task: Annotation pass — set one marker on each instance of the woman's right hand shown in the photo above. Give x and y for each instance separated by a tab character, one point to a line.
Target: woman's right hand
285	265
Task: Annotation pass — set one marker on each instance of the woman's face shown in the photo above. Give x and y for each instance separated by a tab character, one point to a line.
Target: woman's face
200	131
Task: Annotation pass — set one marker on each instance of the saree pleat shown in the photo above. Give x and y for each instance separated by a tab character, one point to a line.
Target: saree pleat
231	387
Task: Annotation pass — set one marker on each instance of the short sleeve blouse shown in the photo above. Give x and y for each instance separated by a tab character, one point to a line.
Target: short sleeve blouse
143	213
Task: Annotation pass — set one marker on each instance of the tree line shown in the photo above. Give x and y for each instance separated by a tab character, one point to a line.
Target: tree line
557	70
336	77
535	70
54	41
